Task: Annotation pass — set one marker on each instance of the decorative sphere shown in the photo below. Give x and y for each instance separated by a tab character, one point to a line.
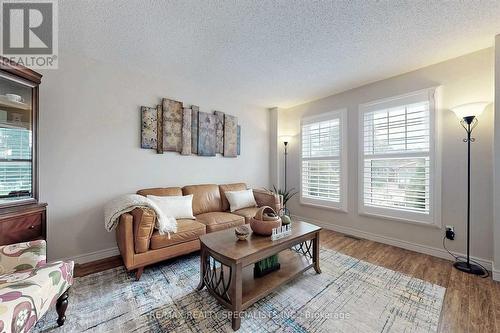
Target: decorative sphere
285	219
241	232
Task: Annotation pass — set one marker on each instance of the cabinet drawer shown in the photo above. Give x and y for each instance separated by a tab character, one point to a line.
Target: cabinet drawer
21	229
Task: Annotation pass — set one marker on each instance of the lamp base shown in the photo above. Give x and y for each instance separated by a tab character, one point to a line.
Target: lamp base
469	268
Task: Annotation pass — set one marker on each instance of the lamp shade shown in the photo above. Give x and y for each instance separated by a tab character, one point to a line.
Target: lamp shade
470	109
285	138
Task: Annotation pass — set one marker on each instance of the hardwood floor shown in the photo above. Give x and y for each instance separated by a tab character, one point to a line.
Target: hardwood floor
97	266
471	304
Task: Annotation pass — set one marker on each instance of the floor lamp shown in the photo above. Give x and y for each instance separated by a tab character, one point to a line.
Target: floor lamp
285	143
285	139
467	114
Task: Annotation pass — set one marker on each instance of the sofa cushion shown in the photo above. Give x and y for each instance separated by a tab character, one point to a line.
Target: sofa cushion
161	191
229	187
216	221
187	230
206	198
247	213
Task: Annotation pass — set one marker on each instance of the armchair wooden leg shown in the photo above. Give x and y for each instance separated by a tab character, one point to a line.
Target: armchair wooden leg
61	306
138	273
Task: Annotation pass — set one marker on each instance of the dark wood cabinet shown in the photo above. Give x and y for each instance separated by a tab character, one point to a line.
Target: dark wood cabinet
22	217
23	223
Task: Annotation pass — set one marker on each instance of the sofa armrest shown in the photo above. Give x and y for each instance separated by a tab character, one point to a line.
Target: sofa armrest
22	256
134	232
125	239
144	224
267	198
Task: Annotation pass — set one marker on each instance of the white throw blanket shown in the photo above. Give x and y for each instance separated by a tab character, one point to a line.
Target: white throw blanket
128	202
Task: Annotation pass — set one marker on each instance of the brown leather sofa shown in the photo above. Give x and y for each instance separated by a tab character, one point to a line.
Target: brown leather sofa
141	245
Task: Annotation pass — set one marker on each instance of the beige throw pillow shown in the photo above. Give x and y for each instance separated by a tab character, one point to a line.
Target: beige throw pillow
178	207
240	199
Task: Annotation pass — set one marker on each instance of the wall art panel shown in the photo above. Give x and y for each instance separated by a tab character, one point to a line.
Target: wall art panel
239	140
149	128
186	132
206	134
230	136
194	129
172	125
219	132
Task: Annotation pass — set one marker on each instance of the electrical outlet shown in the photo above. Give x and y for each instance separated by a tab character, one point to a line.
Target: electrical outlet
450	232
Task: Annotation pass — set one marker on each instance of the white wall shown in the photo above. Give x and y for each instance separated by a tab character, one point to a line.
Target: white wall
90	148
465	79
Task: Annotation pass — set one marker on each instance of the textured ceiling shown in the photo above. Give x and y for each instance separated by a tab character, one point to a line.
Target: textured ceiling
276	53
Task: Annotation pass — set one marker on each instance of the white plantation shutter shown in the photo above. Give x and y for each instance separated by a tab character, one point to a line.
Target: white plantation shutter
397	168
401	184
322	176
400	129
15	162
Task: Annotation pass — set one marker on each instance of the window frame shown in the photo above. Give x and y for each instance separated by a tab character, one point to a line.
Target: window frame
342	205
434	217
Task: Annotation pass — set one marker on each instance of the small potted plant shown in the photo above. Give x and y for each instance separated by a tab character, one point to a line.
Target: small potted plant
266	266
285	196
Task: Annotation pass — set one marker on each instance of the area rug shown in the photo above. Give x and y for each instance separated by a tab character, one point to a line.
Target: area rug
349	296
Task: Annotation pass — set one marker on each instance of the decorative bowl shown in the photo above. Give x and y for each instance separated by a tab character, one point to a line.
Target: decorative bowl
241	232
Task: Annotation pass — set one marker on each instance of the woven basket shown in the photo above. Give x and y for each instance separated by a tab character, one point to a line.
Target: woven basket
262	223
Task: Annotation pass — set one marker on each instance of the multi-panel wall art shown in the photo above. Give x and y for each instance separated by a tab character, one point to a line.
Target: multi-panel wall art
171	127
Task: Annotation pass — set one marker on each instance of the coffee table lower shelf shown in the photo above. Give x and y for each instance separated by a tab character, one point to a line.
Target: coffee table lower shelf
253	289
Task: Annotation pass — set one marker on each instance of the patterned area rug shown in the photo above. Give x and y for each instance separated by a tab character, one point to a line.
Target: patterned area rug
349	296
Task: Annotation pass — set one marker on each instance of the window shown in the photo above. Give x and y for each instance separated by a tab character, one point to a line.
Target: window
398	168
15	162
323	174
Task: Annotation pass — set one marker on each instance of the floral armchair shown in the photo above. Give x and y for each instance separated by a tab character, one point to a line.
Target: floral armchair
29	286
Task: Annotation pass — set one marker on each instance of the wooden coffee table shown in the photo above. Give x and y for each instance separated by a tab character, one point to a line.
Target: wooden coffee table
226	267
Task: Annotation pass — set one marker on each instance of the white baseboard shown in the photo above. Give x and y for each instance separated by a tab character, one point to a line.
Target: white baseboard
93	256
425	249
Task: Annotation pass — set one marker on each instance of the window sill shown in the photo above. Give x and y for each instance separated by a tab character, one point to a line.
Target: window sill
19	202
400	219
338	209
